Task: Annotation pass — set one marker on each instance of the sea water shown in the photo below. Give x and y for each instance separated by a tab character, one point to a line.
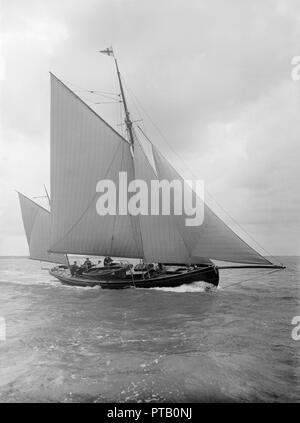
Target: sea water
185	344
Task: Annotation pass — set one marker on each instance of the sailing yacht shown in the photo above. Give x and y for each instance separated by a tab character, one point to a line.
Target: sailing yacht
85	149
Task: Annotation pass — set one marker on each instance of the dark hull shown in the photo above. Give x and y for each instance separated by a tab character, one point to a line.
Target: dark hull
105	273
208	274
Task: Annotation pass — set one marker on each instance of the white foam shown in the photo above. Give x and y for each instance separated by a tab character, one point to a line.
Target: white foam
191	287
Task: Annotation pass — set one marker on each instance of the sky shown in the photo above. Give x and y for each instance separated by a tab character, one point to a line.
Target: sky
210	79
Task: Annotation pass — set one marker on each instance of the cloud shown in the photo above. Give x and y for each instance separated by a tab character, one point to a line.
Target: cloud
27	46
252	167
213	75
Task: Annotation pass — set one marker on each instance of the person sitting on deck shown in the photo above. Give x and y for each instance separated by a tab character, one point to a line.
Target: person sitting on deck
74	268
107	261
88	264
160	268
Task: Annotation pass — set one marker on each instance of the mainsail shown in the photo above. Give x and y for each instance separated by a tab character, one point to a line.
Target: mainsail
85	150
36	222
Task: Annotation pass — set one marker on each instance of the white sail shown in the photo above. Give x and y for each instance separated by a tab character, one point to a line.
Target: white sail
161	240
84	151
36	222
213	238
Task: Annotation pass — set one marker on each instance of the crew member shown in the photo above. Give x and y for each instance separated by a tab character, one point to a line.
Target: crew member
74	268
88	264
107	261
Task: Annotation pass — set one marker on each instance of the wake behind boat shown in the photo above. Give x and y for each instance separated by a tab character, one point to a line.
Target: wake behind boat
86	154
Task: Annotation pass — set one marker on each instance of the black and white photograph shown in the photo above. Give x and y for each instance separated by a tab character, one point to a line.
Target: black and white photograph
150	208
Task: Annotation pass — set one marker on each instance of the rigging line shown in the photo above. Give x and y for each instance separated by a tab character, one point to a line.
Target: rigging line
174	218
89	204
112	233
98	95
178	176
235	222
137	233
186	165
251	279
90	91
33	202
103	93
91	100
135	100
90	108
121	119
155	176
108	97
138	227
245	231
103	102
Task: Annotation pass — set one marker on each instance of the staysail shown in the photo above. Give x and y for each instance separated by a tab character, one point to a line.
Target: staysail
86	150
213	238
36	222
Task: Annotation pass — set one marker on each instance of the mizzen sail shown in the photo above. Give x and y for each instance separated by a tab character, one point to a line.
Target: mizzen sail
36	222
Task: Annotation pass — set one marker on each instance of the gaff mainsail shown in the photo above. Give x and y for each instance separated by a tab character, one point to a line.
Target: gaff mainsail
84	150
36	222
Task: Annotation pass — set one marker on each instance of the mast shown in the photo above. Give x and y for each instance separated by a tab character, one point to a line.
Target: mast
49	202
127	120
47	195
77	229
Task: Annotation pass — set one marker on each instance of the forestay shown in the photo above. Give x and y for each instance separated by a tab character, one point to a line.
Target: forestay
213	238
